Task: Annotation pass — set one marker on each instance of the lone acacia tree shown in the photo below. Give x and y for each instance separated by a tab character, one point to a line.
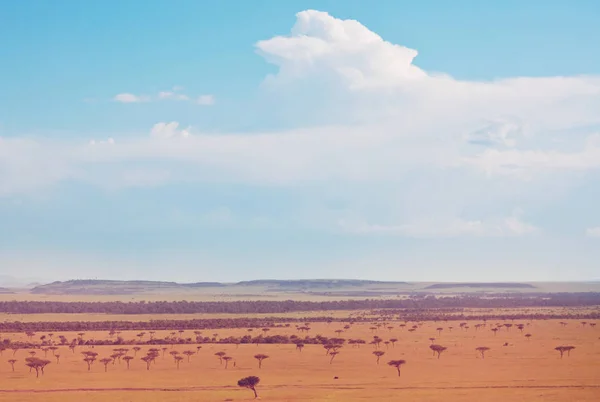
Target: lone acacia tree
482	350
393	341
227	359
250	383
378	354
12	363
397	364
299	346
527	336
260	357
437	349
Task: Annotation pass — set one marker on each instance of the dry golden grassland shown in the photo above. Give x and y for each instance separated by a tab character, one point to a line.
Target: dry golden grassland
525	370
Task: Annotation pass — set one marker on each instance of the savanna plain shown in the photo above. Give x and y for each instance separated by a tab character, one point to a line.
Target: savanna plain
516	367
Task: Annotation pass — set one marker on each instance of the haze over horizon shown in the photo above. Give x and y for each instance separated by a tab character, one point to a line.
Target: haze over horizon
267	139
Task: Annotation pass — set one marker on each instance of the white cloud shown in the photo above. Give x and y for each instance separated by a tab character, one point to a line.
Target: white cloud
206	100
173	95
382	120
454	227
593	232
130	98
169	130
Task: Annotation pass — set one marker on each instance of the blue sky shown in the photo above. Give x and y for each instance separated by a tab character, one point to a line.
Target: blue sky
237	140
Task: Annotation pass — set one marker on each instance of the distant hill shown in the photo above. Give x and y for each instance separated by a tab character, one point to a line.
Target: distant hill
316	283
113	287
108	287
491	285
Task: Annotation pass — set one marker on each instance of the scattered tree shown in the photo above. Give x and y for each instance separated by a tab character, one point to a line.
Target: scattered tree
378	354
482	350
397	364
250	383
260	357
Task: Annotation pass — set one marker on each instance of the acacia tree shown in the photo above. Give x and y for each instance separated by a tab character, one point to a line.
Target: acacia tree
260	357
568	349
397	364
432	339
89	360
250	383
437	349
227	359
482	350
189	354
106	361
393	341
57	356
148	360
12	363
333	354
439	330
127	360
378	353
178	360
299	346
37	364
220	356
135	350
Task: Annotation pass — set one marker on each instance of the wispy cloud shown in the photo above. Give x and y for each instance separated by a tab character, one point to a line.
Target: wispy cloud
173	95
593	232
130	98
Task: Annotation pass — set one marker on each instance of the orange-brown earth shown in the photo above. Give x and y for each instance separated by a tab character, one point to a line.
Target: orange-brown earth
525	370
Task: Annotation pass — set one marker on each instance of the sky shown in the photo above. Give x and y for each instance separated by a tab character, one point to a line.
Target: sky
230	140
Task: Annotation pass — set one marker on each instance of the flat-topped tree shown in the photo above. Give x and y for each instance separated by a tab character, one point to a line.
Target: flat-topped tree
127	359
439	330
136	349
178	360
12	363
482	350
148	360
437	349
568	349
37	364
393	341
250	383
432	339
299	346
333	354
397	364
260	357
106	361
527	336
89	360
378	354
226	359
220	356
188	353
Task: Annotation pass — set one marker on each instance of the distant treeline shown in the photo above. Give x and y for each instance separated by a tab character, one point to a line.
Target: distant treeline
286	306
274	322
